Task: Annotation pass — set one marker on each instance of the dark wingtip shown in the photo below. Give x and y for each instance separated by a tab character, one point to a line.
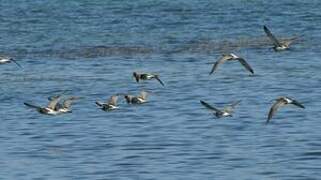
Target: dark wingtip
268	120
160	81
13	60
30	105
298	104
135	75
202	102
27	104
137	78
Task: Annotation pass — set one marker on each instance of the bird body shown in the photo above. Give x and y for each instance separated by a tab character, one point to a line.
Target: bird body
5	60
65	106
50	109
111	104
142	98
225	112
231	57
278	45
147	76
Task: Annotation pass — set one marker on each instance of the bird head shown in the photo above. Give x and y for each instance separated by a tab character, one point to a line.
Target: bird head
128	98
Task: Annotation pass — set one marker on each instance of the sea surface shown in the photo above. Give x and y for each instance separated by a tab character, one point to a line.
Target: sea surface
90	48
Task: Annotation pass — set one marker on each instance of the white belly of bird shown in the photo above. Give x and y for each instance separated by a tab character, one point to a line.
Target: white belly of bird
289	101
64	110
112	107
149	77
4	61
140	100
52	112
281	48
226	114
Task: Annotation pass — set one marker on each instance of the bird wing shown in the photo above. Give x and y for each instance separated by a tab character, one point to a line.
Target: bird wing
274	108
57	96
235	103
32	105
53	102
14	61
296	103
209	106
220	61
113	100
143	95
230	108
136	76
245	64
50	98
157	78
274	40
99	103
68	102
287	42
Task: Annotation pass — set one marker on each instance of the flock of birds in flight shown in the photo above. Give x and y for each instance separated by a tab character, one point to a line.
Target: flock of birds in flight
58	105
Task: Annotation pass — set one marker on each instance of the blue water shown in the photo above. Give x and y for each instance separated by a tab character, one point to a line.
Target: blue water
90	49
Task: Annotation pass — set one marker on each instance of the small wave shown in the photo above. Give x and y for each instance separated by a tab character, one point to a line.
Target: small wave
313	153
102	51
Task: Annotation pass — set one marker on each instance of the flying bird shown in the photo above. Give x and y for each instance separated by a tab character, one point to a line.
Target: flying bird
50	109
227	111
141	98
231	57
5	60
111	104
147	76
280	102
278	45
65	107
